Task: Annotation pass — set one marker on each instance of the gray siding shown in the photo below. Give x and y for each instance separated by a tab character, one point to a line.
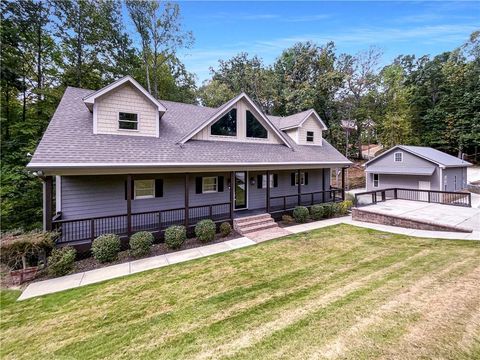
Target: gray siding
93	196
449	175
409	160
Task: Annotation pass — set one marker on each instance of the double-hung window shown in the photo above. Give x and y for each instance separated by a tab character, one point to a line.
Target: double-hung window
144	189
127	121
376	180
210	184
310	137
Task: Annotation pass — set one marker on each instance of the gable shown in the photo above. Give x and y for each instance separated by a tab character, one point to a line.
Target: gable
408	160
126	99
310	126
242	105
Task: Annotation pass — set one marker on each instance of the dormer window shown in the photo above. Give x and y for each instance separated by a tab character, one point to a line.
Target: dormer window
127	121
309	136
226	125
254	128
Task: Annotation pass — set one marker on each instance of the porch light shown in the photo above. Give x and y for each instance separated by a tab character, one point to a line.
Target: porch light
252	181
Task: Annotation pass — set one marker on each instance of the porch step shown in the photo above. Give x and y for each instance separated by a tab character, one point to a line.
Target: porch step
254	223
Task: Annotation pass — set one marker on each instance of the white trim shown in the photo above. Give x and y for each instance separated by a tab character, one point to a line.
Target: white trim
58	193
203	185
373	180
90	99
135	197
127	112
227	107
395	156
95	118
313	137
157	125
247	189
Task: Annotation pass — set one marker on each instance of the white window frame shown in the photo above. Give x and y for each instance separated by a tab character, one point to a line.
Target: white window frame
129	121
395	157
215	184
264	181
378	180
313	137
302	178
152	187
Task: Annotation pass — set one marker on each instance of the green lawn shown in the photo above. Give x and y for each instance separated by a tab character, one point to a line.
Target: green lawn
338	292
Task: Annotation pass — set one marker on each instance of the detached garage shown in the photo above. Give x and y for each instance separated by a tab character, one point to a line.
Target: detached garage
416	167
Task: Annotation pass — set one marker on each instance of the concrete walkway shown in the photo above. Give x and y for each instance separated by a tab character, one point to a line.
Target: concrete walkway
110	272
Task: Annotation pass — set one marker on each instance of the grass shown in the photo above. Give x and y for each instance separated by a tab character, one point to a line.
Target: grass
338	292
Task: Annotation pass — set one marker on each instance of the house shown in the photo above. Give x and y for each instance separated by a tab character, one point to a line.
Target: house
122	161
416	167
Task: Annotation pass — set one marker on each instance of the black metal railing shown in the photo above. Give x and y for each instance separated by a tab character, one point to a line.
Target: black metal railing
79	230
289	202
430	196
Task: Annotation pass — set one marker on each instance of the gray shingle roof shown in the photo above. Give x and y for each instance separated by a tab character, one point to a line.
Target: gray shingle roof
69	139
436	156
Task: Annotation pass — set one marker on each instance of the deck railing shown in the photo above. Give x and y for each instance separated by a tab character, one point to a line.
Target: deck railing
429	196
288	202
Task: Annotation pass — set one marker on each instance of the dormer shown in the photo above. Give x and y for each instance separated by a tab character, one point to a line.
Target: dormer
305	128
125	108
239	120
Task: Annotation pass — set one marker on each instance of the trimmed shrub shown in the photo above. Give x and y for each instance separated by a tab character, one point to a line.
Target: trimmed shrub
287	219
61	261
300	214
344	207
225	229
175	235
141	243
329	210
205	230
316	212
105	248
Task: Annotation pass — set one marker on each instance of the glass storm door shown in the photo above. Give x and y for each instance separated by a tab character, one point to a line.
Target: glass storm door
240	190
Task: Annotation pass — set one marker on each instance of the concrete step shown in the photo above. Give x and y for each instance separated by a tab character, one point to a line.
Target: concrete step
247	219
254	223
257	227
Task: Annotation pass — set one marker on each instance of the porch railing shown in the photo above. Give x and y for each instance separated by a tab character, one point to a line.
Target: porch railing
288	202
429	196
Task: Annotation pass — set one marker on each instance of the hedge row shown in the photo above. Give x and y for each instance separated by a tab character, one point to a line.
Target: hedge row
321	211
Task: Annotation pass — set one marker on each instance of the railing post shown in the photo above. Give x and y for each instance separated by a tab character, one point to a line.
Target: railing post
210	211
129	205
268	192
323	185
159	222
395	195
284	203
469	200
312	198
383	196
92	229
187	210
428	194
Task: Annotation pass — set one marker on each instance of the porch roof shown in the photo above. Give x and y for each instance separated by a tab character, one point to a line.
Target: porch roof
69	142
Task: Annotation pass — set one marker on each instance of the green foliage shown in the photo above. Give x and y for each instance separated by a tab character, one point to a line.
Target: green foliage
344	207
225	229
18	249
105	248
175	236
329	209
61	261
316	212
288	219
205	230
141	243
300	214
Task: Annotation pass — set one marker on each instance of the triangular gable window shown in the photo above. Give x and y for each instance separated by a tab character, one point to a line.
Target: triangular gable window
226	125
254	128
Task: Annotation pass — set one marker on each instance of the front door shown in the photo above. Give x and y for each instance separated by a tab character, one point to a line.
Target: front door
241	189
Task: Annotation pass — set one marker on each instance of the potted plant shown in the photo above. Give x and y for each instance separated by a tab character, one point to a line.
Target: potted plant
23	252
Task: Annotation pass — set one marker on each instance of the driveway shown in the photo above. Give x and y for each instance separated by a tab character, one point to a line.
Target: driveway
473	173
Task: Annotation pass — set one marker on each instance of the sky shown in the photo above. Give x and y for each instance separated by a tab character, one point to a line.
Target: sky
223	29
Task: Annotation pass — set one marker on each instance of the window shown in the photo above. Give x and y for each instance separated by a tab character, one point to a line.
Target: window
309	136
127	121
398	157
254	128
264	181
144	189
376	180
226	125
302	178
210	184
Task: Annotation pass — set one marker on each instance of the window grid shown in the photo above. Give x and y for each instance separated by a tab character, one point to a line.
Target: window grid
210	184
144	189
127	121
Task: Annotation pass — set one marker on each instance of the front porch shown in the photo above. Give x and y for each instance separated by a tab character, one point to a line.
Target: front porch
181	201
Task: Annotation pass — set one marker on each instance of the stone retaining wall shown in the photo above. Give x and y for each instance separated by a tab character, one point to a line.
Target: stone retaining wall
376	218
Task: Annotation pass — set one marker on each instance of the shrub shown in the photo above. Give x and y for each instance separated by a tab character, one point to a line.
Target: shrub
61	261
288	219
141	243
316	212
105	248
18	249
329	210
205	230
344	206
225	229
175	235
300	213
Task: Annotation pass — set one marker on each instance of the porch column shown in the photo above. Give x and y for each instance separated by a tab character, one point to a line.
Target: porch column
323	185
268	192
187	208
299	187
47	203
343	183
232	184
129	205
